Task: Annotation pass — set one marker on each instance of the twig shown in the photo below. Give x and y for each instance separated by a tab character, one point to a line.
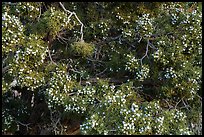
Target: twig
64	8
71	94
168	104
107	40
82	25
101	72
80	80
51	57
61	39
26	125
3	61
145	52
4	69
152	46
94	60
73	13
55	121
186	106
9	3
148	45
97	52
120	40
64	38
40	13
177	103
75	71
140	39
114	38
199	97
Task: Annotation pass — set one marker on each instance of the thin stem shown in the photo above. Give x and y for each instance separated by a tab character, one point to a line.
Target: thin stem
145	52
101	72
73	13
40	14
51	57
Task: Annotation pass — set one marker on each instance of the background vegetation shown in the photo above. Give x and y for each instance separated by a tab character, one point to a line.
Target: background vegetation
101	68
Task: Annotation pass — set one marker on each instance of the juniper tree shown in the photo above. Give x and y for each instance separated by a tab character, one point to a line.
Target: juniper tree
118	68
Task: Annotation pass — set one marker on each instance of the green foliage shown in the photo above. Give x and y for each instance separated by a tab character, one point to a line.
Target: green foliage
53	21
12	32
82	48
119	68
